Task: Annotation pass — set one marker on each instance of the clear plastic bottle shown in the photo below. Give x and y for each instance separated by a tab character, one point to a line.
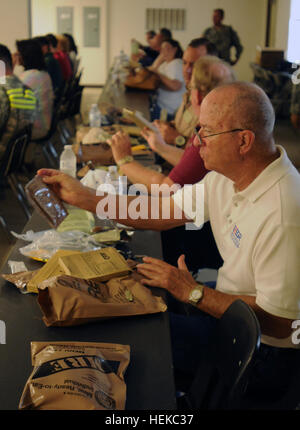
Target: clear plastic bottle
67	161
95	116
112	178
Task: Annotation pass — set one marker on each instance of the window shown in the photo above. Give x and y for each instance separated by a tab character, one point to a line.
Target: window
293	53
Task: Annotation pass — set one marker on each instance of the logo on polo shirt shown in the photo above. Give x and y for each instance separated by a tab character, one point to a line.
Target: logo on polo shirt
236	236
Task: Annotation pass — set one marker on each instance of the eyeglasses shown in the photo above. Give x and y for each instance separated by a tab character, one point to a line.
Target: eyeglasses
215	134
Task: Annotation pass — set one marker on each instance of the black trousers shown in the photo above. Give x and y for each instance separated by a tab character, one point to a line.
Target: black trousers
199	247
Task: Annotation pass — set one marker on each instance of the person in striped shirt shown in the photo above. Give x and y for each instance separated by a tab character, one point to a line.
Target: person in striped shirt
17	102
35	76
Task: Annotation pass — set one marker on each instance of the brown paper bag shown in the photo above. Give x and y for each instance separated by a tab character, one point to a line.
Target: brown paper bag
100	154
66	300
76	376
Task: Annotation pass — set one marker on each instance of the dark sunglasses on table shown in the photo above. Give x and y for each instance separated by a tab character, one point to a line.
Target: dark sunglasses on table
215	134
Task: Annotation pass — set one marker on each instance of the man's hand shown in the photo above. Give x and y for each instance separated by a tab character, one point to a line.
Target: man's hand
168	132
120	145
178	281
154	140
69	189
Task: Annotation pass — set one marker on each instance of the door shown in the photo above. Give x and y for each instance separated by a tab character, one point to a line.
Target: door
87	22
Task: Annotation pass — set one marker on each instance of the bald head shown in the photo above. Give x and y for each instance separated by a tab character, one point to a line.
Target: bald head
246	106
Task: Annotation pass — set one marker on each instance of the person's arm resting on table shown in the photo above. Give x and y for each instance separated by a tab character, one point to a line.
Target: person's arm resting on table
179	282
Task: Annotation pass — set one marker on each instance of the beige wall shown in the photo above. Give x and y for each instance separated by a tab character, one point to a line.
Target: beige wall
126	19
14	22
248	17
281	24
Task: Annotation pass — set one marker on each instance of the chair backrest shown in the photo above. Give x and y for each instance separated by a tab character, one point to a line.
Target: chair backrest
14	154
222	372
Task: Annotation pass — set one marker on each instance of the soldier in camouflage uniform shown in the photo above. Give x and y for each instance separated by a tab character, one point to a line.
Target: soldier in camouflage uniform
17	103
295	105
223	37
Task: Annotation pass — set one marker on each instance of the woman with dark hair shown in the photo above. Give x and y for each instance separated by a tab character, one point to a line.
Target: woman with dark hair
168	66
30	56
72	51
72	45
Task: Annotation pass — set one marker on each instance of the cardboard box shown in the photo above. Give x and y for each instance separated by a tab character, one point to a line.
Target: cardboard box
269	58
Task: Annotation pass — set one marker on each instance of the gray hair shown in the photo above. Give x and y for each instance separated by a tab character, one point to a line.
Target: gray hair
210	71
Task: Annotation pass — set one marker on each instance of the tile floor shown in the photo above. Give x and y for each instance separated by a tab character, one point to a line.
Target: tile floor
10	209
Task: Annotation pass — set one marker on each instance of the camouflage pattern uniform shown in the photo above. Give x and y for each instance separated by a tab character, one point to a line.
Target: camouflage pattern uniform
18	109
224	38
295	101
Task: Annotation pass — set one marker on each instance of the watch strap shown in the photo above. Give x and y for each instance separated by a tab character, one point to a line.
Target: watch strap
125	160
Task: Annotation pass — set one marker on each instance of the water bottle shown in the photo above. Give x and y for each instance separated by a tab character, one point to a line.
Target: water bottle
94	116
67	161
112	178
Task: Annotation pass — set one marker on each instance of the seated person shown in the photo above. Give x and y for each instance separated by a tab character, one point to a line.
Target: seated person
295	105
251	197
30	56
145	54
52	65
178	132
72	51
17	101
152	51
168	67
61	57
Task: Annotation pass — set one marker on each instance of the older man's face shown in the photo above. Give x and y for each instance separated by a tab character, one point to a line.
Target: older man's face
221	152
190	56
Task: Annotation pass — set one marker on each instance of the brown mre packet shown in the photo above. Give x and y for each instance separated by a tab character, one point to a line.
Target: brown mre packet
76	376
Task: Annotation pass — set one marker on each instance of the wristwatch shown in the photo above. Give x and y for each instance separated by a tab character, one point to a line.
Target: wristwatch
180	140
125	160
196	294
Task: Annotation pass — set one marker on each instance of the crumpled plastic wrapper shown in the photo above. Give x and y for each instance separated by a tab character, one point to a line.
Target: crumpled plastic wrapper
95	135
45	244
20	279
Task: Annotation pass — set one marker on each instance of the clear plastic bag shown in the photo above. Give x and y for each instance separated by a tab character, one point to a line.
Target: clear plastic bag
45	244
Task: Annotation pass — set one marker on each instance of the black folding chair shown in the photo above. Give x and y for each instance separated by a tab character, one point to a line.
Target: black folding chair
222	373
11	164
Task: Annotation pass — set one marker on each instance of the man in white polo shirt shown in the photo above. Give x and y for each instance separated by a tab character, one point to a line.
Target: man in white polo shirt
252	199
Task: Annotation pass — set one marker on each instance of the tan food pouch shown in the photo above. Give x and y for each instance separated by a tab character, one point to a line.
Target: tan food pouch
66	300
76	376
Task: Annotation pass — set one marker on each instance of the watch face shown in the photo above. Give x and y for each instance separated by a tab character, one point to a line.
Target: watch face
196	295
180	140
